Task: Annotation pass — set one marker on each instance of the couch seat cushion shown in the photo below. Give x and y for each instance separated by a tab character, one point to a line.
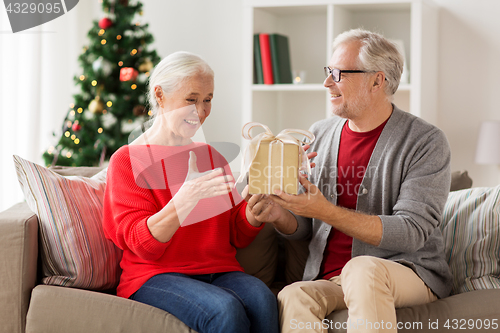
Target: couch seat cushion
61	310
472	308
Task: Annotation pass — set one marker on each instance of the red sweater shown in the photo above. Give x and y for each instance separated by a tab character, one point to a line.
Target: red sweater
354	153
141	180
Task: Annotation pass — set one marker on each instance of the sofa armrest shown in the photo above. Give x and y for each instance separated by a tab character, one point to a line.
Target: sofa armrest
18	265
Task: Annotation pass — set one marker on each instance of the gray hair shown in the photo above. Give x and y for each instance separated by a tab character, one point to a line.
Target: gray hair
171	71
377	53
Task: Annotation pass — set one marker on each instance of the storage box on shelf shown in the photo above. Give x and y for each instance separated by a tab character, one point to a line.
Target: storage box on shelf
311	27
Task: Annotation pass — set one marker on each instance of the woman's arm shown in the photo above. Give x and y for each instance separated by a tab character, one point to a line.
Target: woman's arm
197	186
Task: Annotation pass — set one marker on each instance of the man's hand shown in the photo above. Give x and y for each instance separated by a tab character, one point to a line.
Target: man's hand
310	155
311	203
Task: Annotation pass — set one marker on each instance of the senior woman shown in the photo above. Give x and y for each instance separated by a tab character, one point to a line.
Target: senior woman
170	205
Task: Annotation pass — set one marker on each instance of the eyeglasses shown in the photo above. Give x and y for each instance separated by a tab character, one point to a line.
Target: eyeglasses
337	73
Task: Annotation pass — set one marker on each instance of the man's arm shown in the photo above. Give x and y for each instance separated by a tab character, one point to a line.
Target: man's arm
265	210
312	204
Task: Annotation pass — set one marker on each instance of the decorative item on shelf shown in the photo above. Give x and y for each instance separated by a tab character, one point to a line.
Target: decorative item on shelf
128	74
299	77
97	105
105	23
271	59
102	65
146	66
274	162
139	110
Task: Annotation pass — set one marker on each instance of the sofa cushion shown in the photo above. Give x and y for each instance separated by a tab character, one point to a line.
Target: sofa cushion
471	231
61	310
74	251
469	312
261	256
460	180
18	263
76	171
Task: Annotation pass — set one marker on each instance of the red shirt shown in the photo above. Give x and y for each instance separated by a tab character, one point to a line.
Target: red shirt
141	180
354	154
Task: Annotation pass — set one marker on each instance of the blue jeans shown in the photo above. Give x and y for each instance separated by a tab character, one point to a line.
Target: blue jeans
223	302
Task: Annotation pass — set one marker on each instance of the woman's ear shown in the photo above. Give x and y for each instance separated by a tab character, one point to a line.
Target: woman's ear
159	96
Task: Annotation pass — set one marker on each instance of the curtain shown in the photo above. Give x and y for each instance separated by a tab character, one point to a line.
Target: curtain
36	87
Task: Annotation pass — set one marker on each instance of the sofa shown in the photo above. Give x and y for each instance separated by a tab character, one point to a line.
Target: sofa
27	304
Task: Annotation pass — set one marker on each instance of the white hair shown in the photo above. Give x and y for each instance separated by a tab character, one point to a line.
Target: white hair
377	53
171	71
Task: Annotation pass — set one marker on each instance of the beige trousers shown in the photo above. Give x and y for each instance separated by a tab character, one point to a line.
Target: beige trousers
371	288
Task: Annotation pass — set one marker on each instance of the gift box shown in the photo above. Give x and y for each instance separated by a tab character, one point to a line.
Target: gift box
274	162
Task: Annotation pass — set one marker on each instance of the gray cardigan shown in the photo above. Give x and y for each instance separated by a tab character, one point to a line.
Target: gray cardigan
406	184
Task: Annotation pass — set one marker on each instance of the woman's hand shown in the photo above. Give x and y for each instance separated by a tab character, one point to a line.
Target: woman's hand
202	185
197	186
263	209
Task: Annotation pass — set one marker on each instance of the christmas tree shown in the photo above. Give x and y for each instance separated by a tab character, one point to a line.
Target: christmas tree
115	67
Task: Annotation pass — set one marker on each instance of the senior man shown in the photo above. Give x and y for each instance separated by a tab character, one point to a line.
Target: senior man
372	206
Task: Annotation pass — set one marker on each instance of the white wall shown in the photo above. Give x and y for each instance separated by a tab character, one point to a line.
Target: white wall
213	30
469	79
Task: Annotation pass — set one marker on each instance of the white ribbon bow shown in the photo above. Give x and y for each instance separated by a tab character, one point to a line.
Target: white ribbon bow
283	137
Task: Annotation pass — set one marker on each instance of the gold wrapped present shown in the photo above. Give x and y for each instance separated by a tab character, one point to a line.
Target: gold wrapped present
274	162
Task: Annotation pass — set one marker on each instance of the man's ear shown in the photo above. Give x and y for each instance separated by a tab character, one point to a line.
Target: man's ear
378	81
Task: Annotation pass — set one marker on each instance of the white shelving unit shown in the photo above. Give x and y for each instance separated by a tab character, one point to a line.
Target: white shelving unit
311	27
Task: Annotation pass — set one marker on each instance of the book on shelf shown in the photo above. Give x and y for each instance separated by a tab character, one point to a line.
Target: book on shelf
257	62
280	55
265	54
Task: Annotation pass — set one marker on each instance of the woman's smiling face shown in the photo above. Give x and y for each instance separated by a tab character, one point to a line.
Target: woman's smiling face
187	108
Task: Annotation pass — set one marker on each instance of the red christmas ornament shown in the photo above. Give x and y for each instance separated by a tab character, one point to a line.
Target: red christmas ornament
76	126
128	74
105	23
